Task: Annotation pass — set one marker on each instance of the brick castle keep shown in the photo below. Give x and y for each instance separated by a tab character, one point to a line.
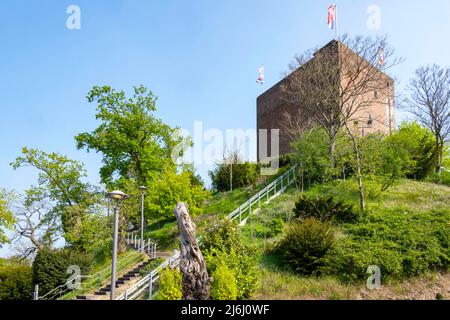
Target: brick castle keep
272	107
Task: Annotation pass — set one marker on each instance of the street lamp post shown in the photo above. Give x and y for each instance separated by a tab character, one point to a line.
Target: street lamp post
118	196
142	188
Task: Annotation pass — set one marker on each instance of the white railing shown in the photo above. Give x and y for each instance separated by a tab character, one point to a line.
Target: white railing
242	213
88	283
147	282
272	190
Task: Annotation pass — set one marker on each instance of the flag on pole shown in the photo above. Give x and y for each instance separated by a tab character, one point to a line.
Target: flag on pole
332	17
380	56
261	75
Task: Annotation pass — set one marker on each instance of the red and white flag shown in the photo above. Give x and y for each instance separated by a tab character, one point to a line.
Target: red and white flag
332	17
261	75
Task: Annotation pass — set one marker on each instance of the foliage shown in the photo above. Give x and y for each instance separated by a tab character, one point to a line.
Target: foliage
224	284
15	282
241	173
134	143
6	216
418	142
243	265
324	209
60	187
50	267
92	231
151	266
223	236
311	153
172	188
276	227
223	244
402	243
170	287
307	245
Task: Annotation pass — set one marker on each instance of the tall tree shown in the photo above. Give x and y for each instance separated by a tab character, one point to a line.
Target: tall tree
136	147
429	102
60	192
133	142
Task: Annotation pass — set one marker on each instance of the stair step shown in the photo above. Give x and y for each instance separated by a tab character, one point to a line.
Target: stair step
124	278
100	293
81	298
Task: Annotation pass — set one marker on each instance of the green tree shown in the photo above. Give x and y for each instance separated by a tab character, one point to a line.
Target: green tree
311	153
6	217
60	190
173	188
233	173
134	143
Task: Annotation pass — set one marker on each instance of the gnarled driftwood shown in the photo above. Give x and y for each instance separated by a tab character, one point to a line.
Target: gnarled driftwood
196	282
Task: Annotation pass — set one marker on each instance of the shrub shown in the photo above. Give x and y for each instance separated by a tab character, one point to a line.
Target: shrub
224	236
306	246
276	226
15	282
243	265
50	267
170	287
223	244
224	285
401	243
243	174
325	209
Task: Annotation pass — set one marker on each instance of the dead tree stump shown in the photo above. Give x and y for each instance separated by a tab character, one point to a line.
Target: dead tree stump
196	282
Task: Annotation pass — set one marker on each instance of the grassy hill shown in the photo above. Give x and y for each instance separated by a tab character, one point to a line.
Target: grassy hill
406	231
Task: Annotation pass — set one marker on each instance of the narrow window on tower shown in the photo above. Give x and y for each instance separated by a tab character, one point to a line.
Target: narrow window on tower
375	94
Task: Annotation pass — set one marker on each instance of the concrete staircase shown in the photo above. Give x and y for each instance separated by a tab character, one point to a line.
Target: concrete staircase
128	278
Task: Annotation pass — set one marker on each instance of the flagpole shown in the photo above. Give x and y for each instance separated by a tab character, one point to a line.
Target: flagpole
336	34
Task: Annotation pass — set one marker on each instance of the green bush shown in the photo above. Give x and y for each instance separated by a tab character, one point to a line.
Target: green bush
325	209
444	178
50	267
243	175
276	227
16	282
243	265
223	244
306	246
401	243
224	235
170	287
224	285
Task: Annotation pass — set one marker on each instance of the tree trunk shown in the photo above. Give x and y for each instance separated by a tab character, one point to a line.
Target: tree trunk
332	148
439	149
196	282
362	204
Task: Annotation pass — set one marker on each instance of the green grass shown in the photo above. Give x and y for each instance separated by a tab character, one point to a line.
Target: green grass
405	229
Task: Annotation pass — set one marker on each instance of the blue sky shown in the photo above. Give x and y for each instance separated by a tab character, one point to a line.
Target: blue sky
199	57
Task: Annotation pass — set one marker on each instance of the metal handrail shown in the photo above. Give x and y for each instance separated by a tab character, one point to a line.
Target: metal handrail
138	288
96	276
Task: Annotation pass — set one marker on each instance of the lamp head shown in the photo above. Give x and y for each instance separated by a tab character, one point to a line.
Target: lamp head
118	195
142	188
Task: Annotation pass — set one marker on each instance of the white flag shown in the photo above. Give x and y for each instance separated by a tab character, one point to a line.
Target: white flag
261	75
